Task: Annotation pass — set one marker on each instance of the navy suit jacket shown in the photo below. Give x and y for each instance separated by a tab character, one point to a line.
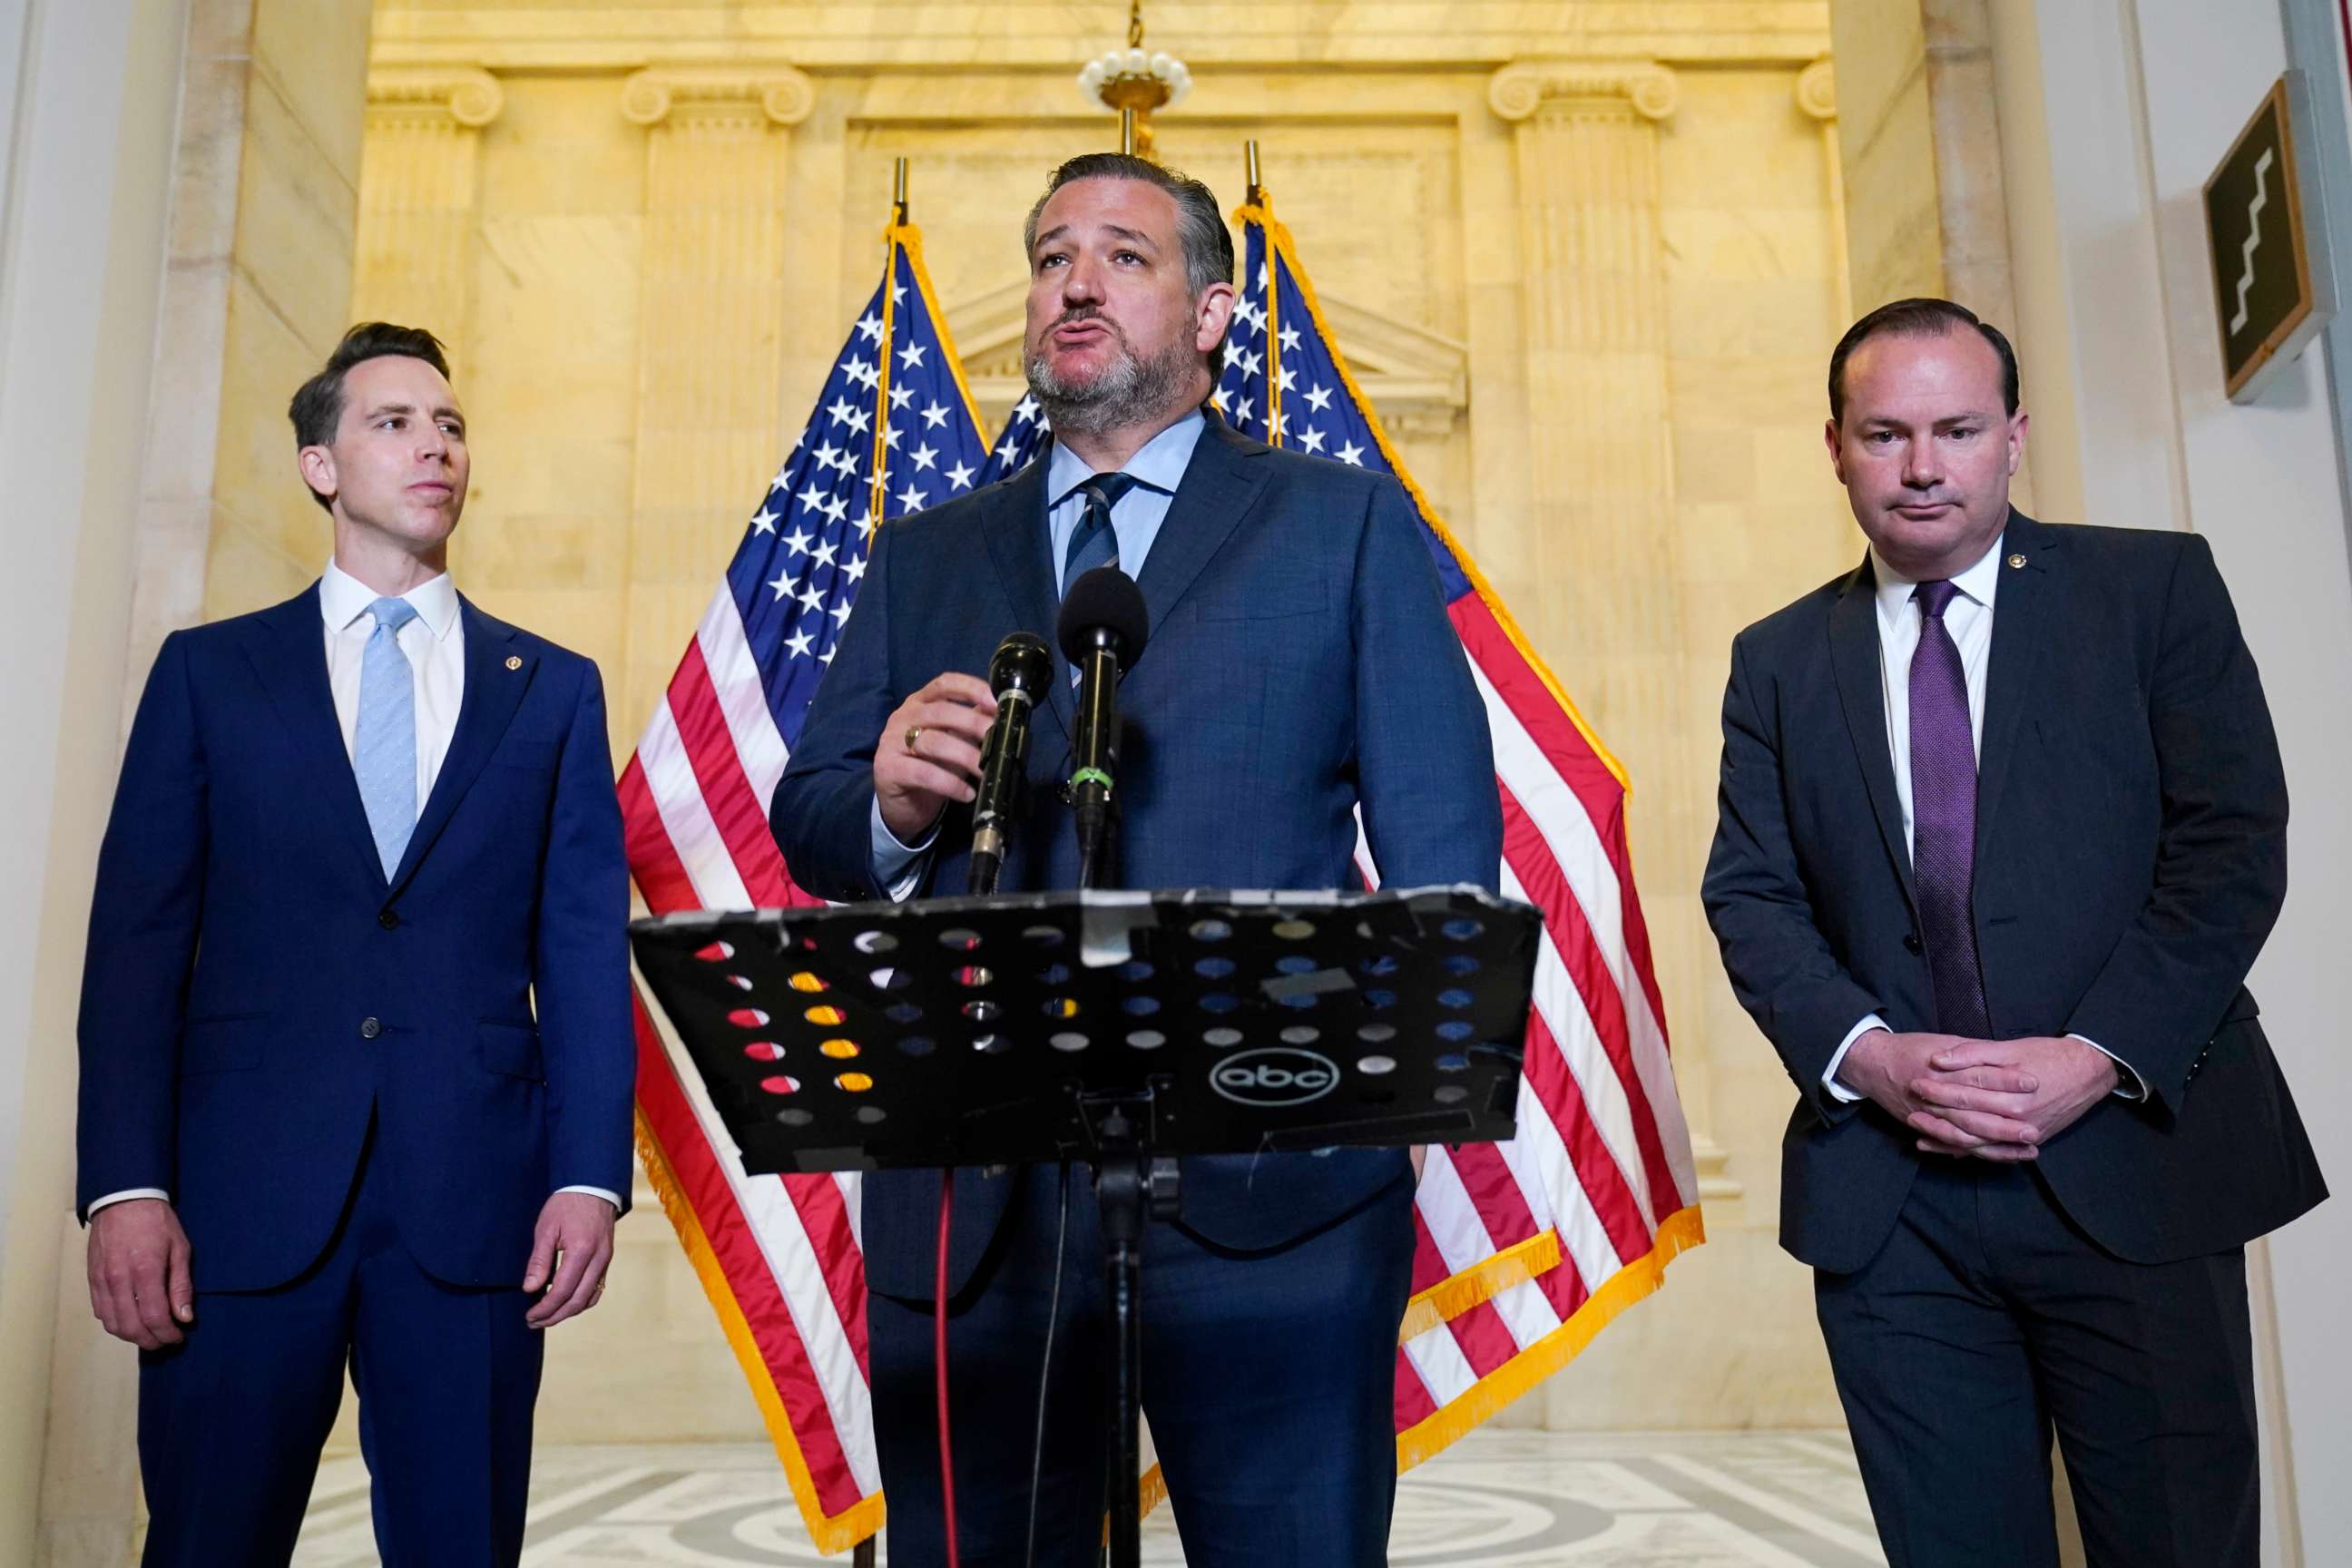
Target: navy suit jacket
257	993
1300	663
2130	859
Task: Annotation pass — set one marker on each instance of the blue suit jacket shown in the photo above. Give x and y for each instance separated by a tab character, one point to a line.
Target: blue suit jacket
256	991
1300	663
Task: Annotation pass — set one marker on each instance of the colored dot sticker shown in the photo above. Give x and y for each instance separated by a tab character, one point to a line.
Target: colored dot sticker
826	1016
839	1050
854	1082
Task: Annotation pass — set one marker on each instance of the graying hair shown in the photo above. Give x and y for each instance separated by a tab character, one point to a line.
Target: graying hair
1200	225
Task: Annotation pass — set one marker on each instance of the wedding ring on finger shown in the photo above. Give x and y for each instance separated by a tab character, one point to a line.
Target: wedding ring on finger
914	731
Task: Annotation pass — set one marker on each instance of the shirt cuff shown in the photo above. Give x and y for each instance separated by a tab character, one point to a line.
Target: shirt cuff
1829	1074
125	1196
897	867
2130	1085
612	1198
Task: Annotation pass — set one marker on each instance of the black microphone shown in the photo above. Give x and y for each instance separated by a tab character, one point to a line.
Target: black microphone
1102	630
1018	675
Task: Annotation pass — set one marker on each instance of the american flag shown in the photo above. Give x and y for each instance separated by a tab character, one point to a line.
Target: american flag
1526	1248
894	431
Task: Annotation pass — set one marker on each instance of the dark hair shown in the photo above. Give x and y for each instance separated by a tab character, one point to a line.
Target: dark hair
1200	229
317	408
1918	319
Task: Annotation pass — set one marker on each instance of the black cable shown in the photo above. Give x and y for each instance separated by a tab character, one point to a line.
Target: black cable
1046	1369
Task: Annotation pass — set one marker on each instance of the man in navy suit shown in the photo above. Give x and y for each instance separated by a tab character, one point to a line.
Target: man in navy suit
2003	827
356	1059
1300	666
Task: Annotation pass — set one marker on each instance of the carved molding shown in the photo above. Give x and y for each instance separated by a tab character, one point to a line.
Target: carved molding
1816	89
1518	90
785	95
471	96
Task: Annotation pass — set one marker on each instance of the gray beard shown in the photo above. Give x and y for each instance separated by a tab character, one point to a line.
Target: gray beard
1131	391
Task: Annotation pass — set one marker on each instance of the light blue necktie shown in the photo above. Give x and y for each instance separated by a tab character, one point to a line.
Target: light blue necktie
384	748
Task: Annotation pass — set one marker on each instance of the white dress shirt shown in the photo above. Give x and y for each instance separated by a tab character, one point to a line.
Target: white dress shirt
435	642
1969	619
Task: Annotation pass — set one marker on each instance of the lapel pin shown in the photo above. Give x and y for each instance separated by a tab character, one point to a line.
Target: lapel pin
514	660
2016	563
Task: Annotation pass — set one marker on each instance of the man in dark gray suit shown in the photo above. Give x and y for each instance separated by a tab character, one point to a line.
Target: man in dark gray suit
1300	666
1992	894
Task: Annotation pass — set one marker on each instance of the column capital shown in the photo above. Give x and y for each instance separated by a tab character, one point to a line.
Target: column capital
1816	89
466	94
1518	89
784	94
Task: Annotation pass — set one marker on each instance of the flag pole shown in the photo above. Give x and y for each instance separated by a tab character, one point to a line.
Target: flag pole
882	359
1253	173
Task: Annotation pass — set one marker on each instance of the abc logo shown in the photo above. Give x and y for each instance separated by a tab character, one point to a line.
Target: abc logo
1274	1077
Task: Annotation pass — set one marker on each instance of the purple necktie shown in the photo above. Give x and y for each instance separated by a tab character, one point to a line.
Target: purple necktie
1944	817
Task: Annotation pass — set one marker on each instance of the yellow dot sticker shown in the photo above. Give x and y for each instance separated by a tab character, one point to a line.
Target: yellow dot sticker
826	1015
839	1050
855	1082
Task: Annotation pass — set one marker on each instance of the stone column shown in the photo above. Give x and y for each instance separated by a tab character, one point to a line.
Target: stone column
1817	100
1608	611
711	338
418	178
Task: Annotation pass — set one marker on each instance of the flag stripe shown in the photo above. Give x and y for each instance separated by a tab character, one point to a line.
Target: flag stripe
758	1291
653	860
717	768
775	1227
817	1199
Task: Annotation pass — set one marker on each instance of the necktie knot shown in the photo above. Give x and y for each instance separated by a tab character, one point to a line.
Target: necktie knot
1104	490
392	614
1935	598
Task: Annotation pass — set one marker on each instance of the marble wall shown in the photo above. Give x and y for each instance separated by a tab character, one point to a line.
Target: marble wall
1592	258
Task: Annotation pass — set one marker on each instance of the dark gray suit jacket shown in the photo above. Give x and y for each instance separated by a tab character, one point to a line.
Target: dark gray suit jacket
2130	860
1300	663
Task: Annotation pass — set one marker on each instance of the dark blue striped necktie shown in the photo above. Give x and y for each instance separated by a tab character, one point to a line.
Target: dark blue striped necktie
1094	543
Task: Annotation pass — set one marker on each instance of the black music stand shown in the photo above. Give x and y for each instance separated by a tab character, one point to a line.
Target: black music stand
1122	1029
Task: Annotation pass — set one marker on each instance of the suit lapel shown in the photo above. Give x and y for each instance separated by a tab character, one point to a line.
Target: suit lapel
2020	606
1861	683
1221	485
288	653
1015	531
497	673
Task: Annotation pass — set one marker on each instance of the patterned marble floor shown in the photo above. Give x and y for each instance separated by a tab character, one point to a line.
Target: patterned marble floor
1498	1500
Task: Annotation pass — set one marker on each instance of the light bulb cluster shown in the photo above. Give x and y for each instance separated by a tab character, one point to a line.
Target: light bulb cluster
1134	68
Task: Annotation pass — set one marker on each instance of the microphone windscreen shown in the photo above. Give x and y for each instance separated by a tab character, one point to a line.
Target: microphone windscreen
1107	599
1022	664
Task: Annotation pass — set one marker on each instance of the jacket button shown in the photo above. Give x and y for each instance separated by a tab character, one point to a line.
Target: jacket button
1911	944
370	1029
389	920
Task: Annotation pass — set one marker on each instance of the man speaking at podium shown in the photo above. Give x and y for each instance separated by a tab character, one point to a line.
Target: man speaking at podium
1300	666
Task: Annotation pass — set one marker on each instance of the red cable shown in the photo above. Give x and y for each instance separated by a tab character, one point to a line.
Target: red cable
939	1363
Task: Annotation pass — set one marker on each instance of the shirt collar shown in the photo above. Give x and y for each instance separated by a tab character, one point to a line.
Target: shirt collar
1977	583
343	598
1158	462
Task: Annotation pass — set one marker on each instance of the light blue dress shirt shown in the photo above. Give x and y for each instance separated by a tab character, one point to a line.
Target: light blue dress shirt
1159	466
